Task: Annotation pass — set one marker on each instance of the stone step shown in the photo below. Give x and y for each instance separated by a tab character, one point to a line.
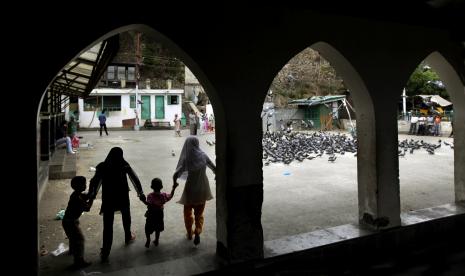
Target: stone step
62	165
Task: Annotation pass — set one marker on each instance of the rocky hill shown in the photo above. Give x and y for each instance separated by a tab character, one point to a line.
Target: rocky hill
307	74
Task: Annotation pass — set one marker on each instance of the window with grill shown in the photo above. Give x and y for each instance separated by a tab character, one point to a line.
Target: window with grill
109	103
173	99
131	73
121	72
111	73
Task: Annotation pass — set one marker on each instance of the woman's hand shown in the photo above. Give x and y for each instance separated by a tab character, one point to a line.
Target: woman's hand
142	198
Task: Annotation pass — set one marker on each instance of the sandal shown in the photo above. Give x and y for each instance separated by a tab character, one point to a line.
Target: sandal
132	239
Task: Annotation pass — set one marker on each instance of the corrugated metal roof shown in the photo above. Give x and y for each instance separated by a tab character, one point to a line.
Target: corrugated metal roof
436	99
82	74
316	100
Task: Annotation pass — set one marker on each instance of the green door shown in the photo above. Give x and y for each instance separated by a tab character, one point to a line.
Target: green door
159	107
145	108
313	113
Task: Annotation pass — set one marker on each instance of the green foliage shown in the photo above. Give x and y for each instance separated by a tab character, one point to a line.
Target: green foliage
424	81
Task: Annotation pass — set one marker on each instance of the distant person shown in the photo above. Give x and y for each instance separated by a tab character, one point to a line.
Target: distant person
193	123
413	124
177	125
193	162
112	176
211	122
63	138
437	125
205	122
103	122
72	127
78	203
201	124
429	125
155	205
422	125
75	142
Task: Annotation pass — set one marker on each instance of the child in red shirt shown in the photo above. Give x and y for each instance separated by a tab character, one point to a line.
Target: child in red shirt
154	214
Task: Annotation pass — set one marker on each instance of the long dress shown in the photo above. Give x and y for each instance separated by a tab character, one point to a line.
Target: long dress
197	188
177	124
193	162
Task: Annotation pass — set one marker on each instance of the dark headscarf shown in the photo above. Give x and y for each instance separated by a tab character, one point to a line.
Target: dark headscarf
115	158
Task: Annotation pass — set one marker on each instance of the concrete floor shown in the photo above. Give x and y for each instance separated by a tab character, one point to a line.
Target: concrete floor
298	198
315	194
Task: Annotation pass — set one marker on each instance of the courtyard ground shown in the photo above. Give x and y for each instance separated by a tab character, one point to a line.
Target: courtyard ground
298	198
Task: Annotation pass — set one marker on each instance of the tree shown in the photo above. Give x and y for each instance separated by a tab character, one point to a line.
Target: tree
160	64
424	81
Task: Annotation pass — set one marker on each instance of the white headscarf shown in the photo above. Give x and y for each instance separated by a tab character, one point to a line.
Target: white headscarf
192	157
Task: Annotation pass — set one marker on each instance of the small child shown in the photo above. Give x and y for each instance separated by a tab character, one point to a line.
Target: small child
78	203
154	214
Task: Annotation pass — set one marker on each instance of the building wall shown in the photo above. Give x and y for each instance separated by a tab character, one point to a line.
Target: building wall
89	119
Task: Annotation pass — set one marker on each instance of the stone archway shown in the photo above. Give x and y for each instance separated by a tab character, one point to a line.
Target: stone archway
210	90
456	90
366	169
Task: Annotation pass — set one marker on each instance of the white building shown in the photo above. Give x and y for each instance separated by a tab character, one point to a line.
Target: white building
158	105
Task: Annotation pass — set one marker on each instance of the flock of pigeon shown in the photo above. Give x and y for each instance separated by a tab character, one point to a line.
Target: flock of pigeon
288	147
412	145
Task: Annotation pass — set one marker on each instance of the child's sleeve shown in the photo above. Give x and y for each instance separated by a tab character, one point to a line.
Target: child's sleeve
167	197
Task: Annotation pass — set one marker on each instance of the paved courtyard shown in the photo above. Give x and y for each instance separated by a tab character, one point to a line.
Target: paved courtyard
298	198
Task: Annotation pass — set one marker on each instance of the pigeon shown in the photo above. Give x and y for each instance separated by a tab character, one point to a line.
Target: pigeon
286	147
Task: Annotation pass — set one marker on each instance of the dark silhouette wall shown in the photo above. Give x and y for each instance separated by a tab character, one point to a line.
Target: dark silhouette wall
236	55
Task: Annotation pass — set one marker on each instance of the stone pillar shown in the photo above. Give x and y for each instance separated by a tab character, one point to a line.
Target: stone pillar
455	87
243	193
378	173
459	153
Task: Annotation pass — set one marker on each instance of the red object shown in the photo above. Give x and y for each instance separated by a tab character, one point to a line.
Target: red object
75	142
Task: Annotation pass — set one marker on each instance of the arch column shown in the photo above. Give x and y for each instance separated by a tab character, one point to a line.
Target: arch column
456	89
377	161
243	171
377	164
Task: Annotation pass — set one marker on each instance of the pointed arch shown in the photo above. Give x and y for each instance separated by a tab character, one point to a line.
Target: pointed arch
456	89
221	130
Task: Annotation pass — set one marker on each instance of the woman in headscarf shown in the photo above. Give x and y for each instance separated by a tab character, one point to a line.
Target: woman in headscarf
193	163
111	175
